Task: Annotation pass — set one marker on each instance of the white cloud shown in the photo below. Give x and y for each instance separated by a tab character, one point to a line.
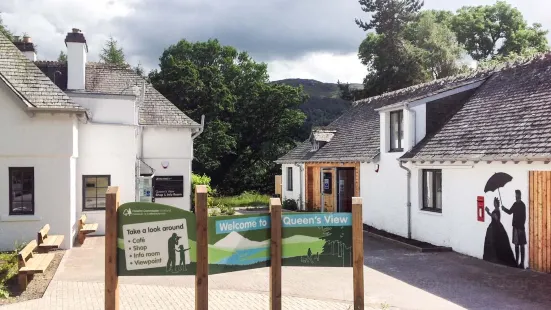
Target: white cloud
48	21
324	67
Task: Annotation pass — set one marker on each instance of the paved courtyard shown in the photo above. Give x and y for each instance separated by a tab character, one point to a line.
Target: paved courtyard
395	278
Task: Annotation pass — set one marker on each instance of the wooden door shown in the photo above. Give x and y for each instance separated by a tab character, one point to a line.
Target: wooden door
540	221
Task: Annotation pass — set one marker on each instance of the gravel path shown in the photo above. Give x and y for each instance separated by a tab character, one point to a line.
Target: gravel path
37	286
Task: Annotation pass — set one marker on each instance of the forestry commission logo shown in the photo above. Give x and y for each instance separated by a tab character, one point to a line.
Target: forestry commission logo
127	212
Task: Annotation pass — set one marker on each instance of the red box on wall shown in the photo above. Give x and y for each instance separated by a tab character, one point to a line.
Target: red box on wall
480	208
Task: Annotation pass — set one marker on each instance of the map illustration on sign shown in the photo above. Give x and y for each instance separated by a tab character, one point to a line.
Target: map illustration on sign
317	239
238	242
155	239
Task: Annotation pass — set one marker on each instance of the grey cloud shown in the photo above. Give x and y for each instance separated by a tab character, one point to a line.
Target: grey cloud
277	29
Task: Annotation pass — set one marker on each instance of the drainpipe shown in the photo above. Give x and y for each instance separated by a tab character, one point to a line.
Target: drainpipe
408	191
301	170
195	135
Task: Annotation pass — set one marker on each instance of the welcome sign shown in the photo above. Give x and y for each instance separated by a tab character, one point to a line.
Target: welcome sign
238	242
317	239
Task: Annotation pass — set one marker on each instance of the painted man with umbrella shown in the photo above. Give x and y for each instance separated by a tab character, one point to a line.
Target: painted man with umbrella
497	248
518	210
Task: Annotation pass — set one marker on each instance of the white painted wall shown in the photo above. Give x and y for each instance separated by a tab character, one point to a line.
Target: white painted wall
109	110
295	194
174	146
457	226
76	65
44	142
106	150
419	122
384	194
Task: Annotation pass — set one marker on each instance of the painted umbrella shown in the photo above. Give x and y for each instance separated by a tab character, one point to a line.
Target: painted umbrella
496	181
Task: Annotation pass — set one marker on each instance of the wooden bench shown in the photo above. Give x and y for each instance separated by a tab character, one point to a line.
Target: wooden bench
84	229
47	242
30	263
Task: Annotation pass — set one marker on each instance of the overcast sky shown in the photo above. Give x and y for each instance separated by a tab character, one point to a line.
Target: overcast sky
315	39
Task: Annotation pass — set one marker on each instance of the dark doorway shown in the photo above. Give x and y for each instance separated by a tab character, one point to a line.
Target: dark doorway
345	189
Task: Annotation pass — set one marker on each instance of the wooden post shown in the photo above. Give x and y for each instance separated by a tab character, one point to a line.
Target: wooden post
202	274
358	253
278	186
111	276
275	253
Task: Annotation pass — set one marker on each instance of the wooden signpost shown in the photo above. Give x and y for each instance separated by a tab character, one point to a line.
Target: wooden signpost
326	239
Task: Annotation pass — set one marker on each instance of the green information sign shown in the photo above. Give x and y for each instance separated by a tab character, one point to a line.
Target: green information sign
317	239
238	242
155	239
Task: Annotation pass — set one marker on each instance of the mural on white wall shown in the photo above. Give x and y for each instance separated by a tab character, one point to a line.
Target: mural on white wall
497	247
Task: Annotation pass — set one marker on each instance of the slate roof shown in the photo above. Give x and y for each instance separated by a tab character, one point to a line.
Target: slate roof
507	118
29	82
357	137
118	80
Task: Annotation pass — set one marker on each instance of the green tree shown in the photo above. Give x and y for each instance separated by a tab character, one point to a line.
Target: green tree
62	57
497	30
112	53
139	70
392	64
435	44
4	30
249	121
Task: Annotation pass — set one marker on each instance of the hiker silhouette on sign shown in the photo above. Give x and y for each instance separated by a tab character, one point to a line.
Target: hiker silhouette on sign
172	242
182	257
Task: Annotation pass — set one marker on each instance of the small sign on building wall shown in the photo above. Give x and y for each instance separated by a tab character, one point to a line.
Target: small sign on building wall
168	186
480	208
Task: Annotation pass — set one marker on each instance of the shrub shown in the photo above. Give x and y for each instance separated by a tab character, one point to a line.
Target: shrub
290	204
197	179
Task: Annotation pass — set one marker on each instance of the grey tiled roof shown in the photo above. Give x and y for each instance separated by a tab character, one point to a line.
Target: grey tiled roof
26	79
357	137
508	118
118	80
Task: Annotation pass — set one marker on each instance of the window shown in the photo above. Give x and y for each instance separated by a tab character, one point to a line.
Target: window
396	131
94	190
21	189
432	190
289	178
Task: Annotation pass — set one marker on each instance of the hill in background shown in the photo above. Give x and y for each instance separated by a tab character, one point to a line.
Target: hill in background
324	105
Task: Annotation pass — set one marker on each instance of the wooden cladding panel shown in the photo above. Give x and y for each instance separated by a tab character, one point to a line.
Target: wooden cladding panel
313	182
540	221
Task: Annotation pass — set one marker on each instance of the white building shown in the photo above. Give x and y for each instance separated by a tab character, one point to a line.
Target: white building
71	130
425	160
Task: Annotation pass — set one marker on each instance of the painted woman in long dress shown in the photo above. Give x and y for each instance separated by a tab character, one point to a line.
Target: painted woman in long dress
496	244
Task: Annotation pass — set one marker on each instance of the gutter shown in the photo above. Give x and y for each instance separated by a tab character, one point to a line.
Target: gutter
201	128
476	160
408	195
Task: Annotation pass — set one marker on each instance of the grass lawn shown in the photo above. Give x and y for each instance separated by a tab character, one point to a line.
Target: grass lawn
247	199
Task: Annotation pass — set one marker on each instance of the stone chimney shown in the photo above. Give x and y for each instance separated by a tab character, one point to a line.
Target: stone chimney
76	60
26	46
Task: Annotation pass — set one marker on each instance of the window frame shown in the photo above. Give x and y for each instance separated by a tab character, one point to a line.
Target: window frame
96	197
400	147
289	179
10	188
434	190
